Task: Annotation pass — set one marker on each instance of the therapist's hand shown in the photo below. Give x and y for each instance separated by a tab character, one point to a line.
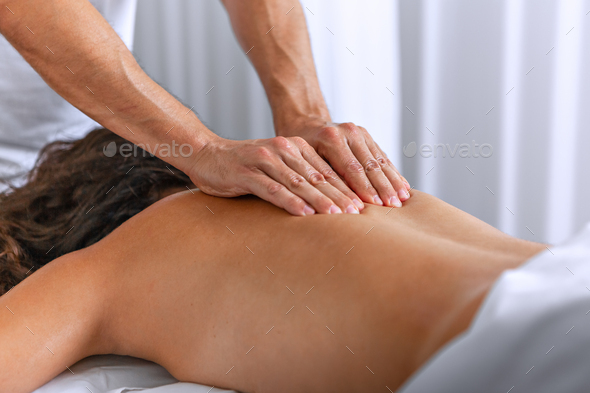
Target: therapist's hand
353	154
284	171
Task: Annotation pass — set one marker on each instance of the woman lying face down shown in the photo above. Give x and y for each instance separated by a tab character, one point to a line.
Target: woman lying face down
234	293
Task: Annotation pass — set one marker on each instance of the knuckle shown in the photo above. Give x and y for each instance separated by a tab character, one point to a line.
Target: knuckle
372	165
383	160
316	178
330	134
281	142
348	126
329	174
299	141
296	181
351	128
353	166
274	188
263	153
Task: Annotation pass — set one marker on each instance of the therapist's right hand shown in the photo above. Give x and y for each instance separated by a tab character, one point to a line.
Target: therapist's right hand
286	172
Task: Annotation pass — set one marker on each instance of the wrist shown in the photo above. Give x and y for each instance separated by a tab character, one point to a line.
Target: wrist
291	110
192	141
292	126
206	145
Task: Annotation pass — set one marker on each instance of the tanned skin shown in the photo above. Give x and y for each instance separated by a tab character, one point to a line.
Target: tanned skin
82	58
239	294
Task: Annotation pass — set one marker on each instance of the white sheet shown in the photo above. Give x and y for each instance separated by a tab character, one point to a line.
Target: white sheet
532	333
119	374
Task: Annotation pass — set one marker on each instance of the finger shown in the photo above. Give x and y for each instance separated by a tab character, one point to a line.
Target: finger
388	161
280	172
355	175
310	155
407	183
404	180
298	163
375	173
337	152
389	170
271	191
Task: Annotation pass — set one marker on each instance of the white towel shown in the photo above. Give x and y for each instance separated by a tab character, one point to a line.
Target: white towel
119	374
532	333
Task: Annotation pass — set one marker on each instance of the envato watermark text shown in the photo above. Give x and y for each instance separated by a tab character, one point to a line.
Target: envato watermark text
463	150
161	150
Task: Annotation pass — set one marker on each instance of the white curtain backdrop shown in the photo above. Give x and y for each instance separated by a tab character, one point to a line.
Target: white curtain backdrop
495	89
188	47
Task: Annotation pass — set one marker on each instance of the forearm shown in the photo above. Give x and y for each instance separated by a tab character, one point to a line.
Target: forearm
81	57
274	34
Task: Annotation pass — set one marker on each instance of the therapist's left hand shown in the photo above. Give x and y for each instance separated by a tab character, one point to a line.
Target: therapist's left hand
353	154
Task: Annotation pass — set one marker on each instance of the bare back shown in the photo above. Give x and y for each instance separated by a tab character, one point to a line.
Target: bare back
239	294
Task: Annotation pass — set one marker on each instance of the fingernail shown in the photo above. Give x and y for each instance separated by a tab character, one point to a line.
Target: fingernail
358	203
408	185
307	210
335	210
352	210
395	201
403	195
377	200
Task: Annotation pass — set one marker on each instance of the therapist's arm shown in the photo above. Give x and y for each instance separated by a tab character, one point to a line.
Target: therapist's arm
81	57
274	34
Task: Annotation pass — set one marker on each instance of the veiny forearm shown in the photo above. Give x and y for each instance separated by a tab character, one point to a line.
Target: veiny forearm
82	58
274	34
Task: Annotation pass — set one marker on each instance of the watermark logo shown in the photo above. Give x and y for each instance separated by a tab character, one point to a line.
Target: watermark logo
162	150
410	149
463	150
110	150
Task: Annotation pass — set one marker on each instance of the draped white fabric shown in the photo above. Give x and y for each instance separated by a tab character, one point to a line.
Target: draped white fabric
495	89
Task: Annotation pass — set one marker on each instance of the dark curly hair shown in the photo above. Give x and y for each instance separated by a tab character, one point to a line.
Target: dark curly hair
78	192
